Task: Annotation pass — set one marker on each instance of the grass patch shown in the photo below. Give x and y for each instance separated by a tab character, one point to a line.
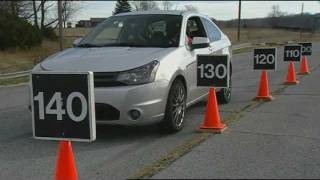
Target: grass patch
175	154
259	35
242	50
250	49
13	81
13	60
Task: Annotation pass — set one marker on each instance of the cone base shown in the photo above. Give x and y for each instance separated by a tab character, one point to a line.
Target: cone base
304	73
291	83
66	167
263	98
205	129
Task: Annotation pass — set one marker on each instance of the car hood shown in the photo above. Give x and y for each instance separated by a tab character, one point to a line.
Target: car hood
105	59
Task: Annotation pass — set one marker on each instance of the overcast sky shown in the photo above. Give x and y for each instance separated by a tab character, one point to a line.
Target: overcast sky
221	10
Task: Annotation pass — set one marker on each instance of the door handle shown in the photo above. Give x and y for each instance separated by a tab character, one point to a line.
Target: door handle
210	49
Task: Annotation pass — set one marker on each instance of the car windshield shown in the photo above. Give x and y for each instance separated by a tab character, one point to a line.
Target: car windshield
154	30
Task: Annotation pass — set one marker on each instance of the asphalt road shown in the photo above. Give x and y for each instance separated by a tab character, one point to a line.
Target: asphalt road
273	140
118	152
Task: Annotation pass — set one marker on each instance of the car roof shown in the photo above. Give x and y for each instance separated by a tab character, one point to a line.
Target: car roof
169	12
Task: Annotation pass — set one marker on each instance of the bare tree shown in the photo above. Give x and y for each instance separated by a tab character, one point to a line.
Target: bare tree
17	8
24	9
35	13
45	12
69	9
274	14
190	8
145	5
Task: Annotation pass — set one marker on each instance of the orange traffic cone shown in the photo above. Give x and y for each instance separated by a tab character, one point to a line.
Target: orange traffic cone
212	121
291	77
304	68
66	166
264	93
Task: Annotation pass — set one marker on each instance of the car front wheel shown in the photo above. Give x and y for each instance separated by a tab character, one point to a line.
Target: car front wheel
175	108
224	95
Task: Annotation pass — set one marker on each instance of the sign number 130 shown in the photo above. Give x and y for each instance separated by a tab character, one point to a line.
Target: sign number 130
59	111
210	71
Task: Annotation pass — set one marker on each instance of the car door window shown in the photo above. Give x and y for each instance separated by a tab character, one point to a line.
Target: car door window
195	28
213	32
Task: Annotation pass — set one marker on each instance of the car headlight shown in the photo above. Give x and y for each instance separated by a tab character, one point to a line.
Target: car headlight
140	75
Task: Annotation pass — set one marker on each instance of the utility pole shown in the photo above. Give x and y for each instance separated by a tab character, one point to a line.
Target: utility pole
239	19
301	25
60	25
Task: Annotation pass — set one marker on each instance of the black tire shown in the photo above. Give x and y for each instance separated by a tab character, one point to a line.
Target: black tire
224	95
175	109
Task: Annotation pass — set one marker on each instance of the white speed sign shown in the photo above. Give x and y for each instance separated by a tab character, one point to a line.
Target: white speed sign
213	71
63	106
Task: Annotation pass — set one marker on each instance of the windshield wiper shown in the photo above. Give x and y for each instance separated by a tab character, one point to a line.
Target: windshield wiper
144	45
132	45
88	45
122	45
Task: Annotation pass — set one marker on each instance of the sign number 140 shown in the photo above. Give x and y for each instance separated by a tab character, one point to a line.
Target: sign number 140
59	111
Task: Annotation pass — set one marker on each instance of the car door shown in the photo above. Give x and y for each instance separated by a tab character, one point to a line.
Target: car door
195	28
214	34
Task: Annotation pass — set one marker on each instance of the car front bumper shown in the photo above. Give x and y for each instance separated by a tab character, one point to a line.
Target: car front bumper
113	104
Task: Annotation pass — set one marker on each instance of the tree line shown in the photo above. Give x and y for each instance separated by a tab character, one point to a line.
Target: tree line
123	6
26	23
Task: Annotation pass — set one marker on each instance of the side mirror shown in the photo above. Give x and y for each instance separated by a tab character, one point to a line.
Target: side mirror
76	42
200	42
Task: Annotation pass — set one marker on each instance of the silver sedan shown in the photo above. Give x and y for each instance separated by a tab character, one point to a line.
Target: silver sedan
144	65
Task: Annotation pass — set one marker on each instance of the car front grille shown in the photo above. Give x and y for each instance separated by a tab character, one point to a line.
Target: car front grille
102	79
106	112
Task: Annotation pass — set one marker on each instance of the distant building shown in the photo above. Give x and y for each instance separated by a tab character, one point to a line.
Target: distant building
84	23
69	24
89	23
96	21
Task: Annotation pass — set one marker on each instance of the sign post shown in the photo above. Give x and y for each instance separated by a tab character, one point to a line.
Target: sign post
63	109
306	51
306	48
292	53
63	106
213	71
264	59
